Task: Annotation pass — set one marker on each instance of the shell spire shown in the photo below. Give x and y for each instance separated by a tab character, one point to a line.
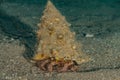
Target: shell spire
52	13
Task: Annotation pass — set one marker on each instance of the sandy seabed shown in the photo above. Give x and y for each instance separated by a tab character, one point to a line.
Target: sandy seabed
100	19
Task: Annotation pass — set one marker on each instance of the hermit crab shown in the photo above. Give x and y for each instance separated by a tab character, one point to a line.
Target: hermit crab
57	49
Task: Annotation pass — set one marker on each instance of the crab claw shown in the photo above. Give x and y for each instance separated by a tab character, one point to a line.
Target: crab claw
51	66
74	68
42	64
66	66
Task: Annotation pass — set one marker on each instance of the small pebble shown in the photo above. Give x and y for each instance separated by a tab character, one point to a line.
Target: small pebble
3	74
89	35
8	78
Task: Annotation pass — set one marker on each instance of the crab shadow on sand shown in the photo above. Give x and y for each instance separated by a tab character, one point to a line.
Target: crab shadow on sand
12	27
